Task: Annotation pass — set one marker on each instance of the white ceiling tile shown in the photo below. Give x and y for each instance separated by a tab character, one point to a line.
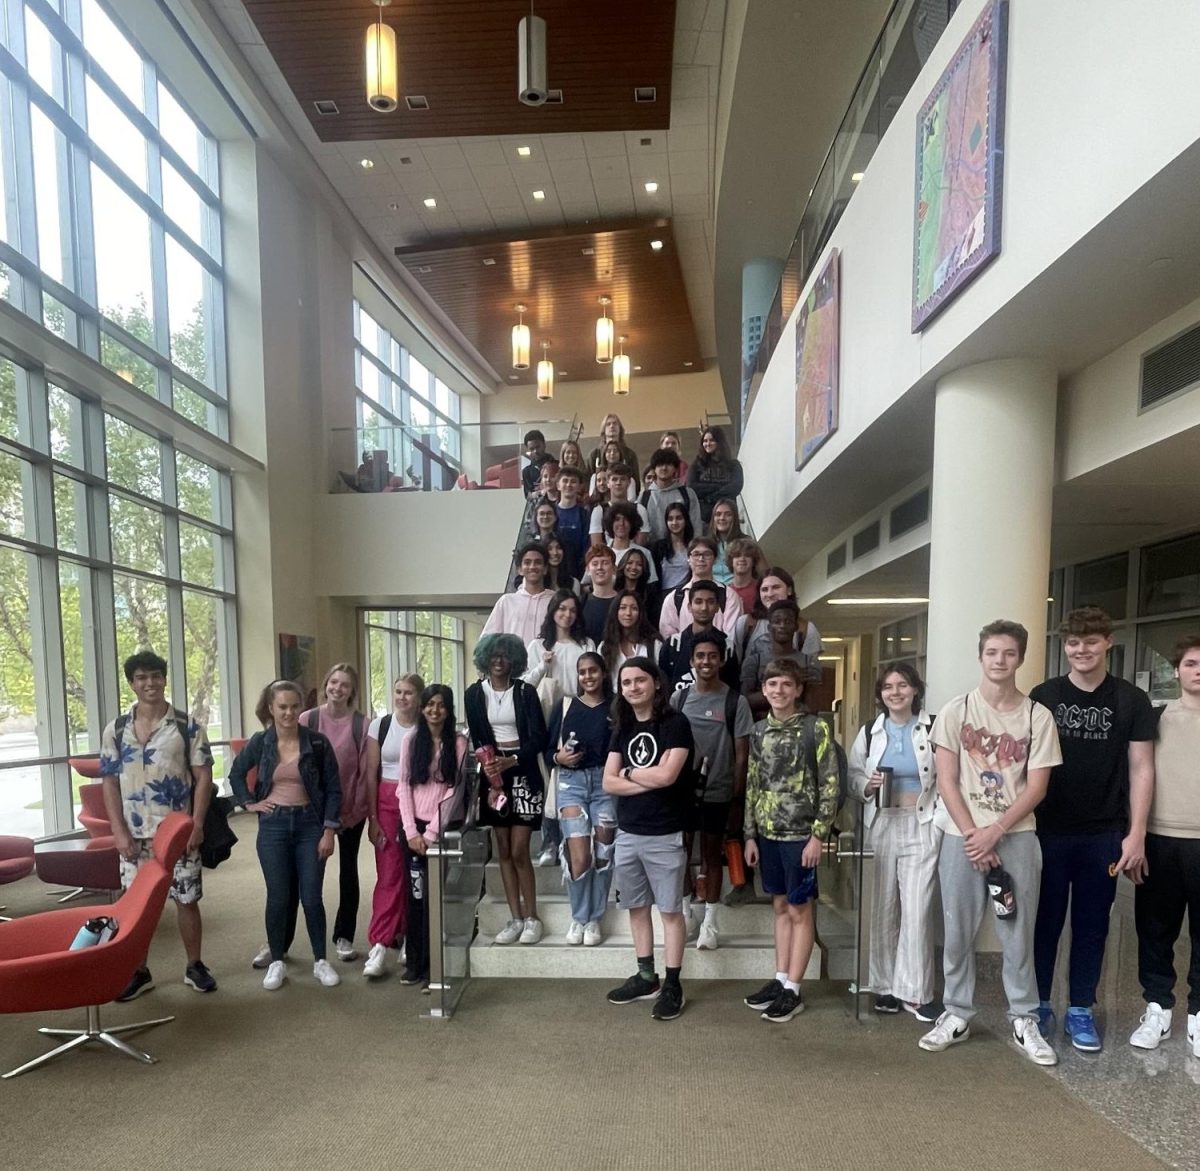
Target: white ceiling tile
476	221
610	167
604	144
689	81
495	181
689	204
685	46
714	18
449	155
689	112
483	152
510	218
466	202
528	175
571	172
560	147
689	138
580	209
457	179
688	162
634	139
708	49
689	183
689	14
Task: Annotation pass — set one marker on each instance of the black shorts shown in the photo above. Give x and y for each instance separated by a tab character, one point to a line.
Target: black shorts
524	805
710	817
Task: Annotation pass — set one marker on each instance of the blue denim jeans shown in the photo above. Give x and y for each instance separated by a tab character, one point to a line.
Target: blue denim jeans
287	852
597	810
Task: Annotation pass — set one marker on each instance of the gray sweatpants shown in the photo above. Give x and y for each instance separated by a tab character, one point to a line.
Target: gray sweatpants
965	902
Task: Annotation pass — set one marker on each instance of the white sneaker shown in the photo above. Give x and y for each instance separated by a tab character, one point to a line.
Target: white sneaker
262	958
373	968
275	976
326	973
511	933
949	1030
345	951
691	925
547	857
591	934
532	932
707	940
574	933
1193	1032
1028	1038
1155	1027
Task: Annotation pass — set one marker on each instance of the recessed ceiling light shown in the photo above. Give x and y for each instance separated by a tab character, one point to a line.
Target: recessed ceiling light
424	268
651	187
393	206
689	363
488	261
366	164
513	377
431	202
539	196
657	245
637	368
588	251
562	374
524	151
857	177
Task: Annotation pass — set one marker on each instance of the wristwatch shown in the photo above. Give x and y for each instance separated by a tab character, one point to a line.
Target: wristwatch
627	772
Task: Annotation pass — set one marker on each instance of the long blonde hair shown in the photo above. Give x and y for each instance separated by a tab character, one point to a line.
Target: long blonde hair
346	669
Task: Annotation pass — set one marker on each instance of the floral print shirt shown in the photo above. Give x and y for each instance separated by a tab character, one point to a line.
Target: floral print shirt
155	778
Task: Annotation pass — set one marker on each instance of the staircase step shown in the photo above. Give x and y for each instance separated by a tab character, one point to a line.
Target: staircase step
549	880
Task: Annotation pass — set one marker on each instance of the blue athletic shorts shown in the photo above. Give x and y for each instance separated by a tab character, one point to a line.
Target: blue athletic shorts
783	873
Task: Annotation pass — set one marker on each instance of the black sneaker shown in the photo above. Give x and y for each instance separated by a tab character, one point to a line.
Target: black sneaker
197	976
635	988
930	1012
785	1006
764	997
408	976
739	896
887	1005
141	982
669	1004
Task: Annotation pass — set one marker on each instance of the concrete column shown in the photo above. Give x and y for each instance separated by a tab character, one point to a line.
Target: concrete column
993	482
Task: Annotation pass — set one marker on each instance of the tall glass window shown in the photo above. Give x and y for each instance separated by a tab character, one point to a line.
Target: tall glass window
427	642
111	539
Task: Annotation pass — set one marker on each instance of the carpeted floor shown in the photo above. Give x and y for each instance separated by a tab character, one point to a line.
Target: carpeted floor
529	1074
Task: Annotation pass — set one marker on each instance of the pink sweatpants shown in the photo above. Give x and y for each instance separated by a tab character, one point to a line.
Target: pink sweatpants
389	902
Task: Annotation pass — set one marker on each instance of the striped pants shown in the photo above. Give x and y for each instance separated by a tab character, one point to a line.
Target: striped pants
906	861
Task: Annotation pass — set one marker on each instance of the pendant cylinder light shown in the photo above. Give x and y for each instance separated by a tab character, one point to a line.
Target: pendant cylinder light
545	376
520	342
620	371
383	74
604	334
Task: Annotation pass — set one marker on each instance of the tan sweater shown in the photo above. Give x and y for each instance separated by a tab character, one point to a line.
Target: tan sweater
1175	811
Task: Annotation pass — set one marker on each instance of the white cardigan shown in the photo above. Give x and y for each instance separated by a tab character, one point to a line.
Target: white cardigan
862	764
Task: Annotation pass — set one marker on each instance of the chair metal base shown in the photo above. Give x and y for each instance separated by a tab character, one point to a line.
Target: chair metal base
82	892
94	1032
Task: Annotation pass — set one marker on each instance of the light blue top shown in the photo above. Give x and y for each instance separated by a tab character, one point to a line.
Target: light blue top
900	756
721	570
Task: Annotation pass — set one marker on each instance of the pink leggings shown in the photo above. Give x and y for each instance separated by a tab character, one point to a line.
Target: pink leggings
389	903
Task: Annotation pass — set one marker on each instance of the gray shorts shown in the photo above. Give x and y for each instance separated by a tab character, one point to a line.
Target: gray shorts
649	871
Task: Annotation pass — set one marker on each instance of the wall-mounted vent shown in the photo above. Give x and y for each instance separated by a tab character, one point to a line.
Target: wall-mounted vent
865	540
1173	367
327	107
416	101
835	562
554	97
909	514
645	93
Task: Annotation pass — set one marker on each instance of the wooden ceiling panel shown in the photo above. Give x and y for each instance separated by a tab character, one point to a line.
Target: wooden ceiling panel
560	275
462	56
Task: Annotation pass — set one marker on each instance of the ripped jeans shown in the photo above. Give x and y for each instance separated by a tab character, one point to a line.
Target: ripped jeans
596	820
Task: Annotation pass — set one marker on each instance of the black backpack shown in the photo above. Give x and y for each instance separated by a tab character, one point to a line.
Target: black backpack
843	766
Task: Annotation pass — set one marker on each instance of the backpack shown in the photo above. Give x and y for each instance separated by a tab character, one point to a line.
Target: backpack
357	725
731	705
843	767
219	838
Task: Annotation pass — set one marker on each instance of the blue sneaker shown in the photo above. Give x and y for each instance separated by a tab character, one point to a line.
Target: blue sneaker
1046	1019
1080	1025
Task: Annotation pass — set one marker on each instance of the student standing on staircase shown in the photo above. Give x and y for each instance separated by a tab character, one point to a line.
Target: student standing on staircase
576	749
649	771
721	724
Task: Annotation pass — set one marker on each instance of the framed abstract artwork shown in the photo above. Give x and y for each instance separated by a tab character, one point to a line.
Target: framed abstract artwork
817	357
960	168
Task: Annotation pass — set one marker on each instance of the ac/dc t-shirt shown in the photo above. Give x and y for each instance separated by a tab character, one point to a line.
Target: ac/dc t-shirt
656	811
995	752
1089	791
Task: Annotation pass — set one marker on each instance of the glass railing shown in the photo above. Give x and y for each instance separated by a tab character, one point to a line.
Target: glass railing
910	31
436	457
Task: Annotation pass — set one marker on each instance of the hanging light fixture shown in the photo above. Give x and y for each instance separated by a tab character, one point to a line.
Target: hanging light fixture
383	80
545	375
604	333
520	341
621	369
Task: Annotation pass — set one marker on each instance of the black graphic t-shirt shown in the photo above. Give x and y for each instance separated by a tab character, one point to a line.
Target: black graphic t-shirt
1089	791
657	811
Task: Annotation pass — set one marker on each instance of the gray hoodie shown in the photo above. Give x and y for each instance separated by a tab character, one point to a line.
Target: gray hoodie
655	501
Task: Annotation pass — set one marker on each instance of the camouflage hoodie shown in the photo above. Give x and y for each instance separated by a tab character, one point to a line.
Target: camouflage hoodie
784	799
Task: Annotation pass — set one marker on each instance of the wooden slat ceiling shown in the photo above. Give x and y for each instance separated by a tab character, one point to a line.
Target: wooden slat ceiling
462	56
560	274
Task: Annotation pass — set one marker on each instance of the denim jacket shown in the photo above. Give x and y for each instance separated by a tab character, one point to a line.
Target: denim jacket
318	772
